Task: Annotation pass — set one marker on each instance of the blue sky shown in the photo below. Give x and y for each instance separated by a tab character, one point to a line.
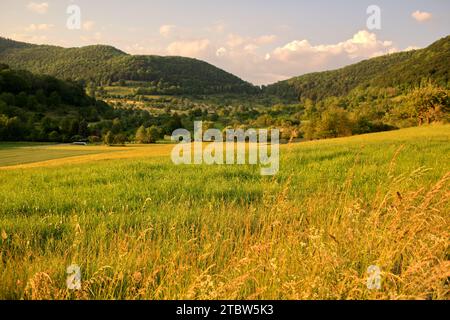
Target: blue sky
260	41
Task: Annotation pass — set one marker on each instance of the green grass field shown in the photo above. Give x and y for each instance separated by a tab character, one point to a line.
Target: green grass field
141	228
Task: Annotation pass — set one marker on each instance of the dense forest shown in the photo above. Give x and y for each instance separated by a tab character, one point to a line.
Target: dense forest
43	108
105	65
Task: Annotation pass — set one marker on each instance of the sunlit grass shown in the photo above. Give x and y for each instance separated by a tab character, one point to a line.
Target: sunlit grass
142	228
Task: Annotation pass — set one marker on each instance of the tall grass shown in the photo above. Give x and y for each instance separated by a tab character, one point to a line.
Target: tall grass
141	228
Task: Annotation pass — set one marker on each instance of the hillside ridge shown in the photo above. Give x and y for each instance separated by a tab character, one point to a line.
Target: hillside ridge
104	65
402	69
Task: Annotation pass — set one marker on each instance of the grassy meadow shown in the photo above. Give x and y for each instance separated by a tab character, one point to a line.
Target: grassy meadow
142	228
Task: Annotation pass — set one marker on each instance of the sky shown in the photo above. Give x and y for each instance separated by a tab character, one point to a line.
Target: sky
261	41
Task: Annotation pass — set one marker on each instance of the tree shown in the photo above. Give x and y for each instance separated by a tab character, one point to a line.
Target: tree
428	103
141	135
263	121
54	100
40	96
11	129
309	128
119	139
153	134
332	122
65	126
94	139
3	126
74	127
22	99
173	124
83	129
108	138
8	98
48	125
53	136
92	90
3	107
116	126
310	108
33	103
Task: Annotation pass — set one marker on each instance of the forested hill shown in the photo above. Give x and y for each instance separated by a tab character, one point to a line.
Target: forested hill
402	70
104	65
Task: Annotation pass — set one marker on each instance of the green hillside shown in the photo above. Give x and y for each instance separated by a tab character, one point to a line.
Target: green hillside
105	65
35	107
402	70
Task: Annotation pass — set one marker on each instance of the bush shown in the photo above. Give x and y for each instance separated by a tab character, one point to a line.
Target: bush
54	136
94	139
119	139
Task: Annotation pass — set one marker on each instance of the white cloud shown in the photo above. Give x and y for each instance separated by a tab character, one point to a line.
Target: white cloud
238	42
189	48
362	45
39	27
421	16
88	25
411	48
221	52
40	8
235	40
167	30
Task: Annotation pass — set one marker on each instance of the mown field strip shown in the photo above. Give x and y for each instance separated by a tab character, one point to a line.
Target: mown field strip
31	154
32	157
